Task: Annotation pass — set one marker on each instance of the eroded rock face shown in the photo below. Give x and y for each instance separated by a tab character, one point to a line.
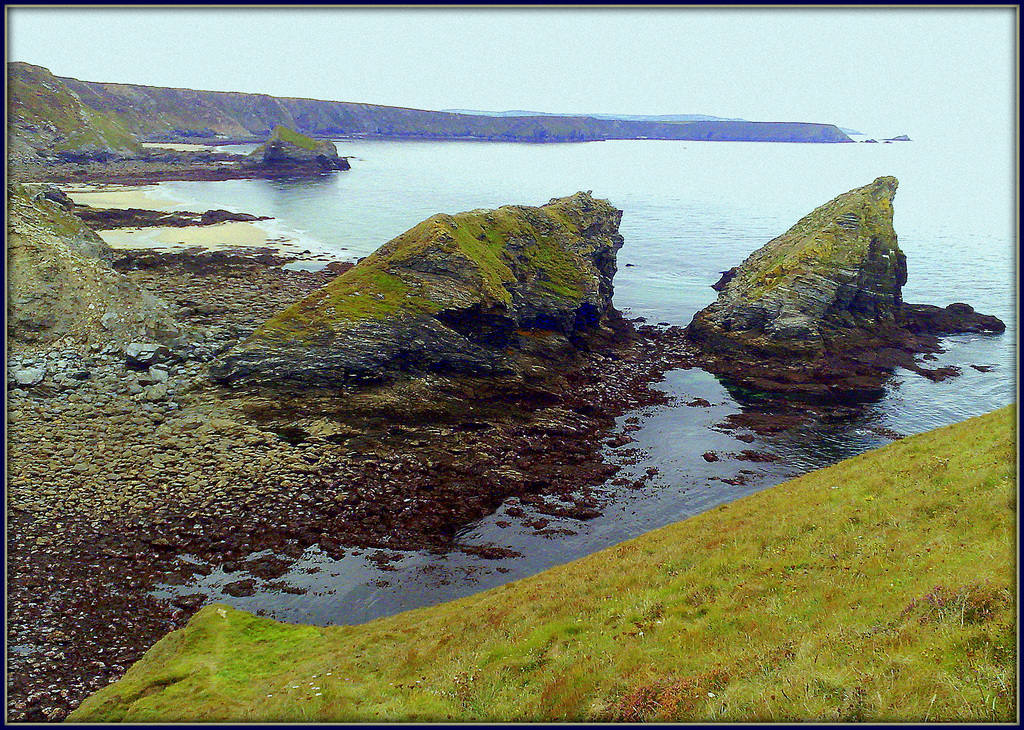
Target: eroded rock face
60	284
838	268
820	307
461	294
290	151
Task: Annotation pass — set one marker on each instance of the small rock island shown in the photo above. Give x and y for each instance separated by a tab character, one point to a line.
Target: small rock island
290	152
820	308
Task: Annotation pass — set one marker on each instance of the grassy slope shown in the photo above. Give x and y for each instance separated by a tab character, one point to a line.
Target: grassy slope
882	589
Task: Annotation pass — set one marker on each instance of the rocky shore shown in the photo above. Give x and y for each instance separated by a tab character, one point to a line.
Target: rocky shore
129	467
118	470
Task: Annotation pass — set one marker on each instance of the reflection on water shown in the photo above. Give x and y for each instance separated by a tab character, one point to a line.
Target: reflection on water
691	211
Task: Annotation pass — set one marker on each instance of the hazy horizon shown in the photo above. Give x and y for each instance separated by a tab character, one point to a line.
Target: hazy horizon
925	72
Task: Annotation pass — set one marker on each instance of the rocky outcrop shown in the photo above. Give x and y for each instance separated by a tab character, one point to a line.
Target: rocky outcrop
60	284
46	117
479	293
101	219
288	152
820	307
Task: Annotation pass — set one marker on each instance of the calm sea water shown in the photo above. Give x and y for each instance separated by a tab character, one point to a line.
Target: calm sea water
691	210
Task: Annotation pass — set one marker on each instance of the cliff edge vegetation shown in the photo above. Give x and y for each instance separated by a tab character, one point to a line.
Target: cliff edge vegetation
880	589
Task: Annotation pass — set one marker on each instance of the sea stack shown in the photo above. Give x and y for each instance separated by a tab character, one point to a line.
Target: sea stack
820	307
473	293
288	152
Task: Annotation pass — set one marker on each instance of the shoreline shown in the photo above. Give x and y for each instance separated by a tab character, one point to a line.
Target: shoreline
229	236
134	478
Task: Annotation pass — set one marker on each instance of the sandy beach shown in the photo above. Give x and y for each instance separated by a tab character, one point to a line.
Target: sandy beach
120	196
231	235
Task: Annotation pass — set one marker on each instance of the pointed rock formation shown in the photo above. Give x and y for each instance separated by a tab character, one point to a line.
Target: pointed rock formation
471	293
824	300
288	151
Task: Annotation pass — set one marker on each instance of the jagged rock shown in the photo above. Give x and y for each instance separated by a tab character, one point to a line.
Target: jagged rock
290	151
463	294
820	307
957	318
101	219
144	354
59	283
839	267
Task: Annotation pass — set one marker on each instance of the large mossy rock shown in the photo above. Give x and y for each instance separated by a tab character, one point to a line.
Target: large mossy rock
290	151
820	307
458	294
838	268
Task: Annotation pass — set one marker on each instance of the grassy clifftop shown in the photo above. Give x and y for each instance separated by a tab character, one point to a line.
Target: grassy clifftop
880	589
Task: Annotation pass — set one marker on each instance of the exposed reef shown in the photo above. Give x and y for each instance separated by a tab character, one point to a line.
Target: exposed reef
820	309
488	292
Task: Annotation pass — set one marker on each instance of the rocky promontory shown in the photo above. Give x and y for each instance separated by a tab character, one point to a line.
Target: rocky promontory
486	292
820	307
289	152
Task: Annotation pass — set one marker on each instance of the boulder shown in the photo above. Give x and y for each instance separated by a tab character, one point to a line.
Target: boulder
288	151
27	377
471	293
142	355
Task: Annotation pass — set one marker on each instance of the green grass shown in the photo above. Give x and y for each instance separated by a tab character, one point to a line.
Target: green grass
880	589
296	138
37	98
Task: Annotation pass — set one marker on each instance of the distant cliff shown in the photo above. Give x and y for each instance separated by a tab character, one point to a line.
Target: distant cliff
163	114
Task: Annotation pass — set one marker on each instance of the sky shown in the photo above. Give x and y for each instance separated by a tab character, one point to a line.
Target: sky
882	71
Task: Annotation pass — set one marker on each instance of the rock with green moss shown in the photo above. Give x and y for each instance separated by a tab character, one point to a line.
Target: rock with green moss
837	268
464	294
821	307
292	152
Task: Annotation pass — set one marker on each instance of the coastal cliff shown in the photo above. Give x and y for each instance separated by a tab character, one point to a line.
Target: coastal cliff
127	113
43	113
472	293
820	307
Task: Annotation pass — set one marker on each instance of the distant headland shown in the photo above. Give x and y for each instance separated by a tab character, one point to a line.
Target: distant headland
50	114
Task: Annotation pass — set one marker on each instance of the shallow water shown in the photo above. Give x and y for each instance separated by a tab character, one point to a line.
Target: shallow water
691	210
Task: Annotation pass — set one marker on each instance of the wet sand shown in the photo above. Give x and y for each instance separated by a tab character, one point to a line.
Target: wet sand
231	235
120	196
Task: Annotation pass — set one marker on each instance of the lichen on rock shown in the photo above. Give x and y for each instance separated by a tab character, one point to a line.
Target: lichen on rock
465	293
839	267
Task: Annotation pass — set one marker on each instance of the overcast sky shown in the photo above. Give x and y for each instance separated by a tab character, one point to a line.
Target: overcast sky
919	71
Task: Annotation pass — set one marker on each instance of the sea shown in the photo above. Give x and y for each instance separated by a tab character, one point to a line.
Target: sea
691	210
